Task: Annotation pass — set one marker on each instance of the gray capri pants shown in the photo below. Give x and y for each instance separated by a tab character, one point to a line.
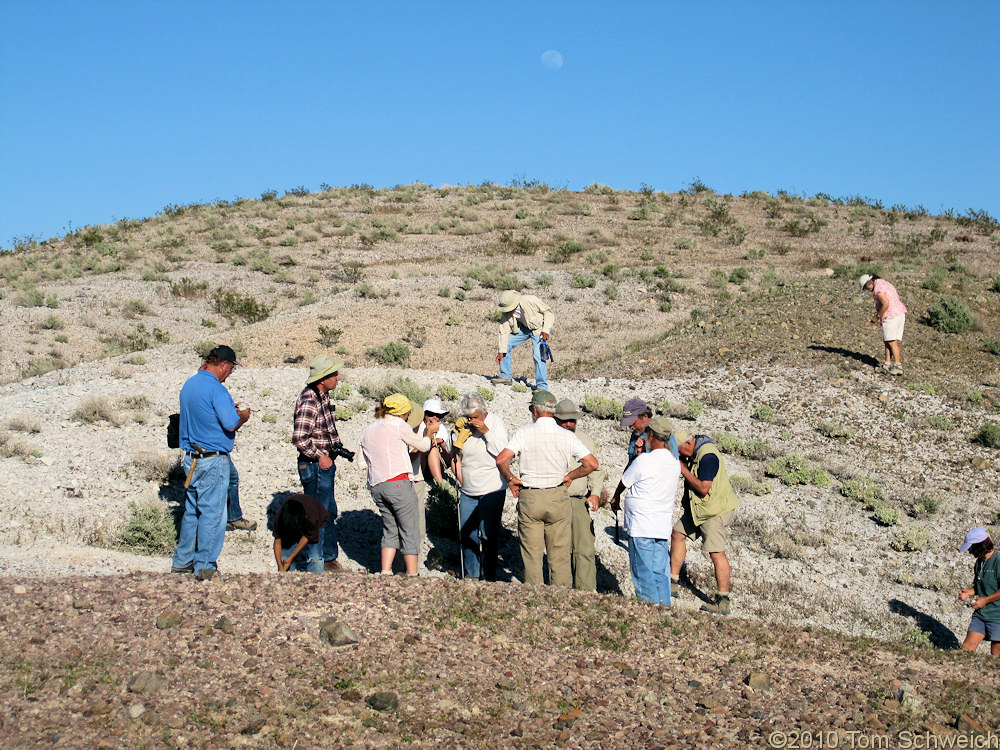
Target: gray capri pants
397	502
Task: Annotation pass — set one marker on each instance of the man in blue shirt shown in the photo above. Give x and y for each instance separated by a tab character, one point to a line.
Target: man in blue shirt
636	415
208	424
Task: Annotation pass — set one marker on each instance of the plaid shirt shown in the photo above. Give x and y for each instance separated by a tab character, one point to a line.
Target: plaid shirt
314	430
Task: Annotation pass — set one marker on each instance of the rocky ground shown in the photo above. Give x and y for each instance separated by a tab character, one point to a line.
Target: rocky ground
843	588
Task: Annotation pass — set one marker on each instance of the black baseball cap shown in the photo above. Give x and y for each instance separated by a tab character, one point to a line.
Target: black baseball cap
224	353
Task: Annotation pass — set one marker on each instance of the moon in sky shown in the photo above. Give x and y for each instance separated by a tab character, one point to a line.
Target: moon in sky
552	60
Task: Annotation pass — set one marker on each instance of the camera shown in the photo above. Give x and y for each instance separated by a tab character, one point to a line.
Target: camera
339	451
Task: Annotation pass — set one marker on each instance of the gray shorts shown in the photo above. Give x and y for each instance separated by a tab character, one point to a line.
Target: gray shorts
990	629
400	510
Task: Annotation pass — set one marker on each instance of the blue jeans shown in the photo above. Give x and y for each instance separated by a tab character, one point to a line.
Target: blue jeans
480	532
541	368
319	483
233	510
203	526
649	560
309	560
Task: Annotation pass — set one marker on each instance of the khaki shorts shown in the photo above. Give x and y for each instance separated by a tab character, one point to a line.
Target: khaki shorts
712	532
892	329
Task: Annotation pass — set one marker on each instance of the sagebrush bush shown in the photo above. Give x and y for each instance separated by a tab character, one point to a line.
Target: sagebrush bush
727	443
393	353
865	491
988	435
96	409
156	467
413	391
886	516
448	393
11	448
949	315
602	408
149	530
912	539
245	307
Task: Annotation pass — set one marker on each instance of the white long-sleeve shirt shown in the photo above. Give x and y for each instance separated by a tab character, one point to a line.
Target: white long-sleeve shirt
384	444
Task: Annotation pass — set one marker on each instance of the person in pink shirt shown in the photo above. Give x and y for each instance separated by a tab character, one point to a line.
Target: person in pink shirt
890	313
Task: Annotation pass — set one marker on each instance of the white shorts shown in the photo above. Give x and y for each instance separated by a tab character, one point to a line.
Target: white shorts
892	329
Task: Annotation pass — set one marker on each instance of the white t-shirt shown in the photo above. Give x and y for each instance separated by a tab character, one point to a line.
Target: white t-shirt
443	432
546	453
652	480
480	474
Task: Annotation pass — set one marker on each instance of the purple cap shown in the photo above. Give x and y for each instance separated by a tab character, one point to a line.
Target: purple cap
634	408
975	536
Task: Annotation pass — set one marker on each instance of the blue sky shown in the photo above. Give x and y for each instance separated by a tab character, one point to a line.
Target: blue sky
117	109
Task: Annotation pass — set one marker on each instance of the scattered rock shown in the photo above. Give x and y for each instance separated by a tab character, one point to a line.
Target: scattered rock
20	590
758	681
383	701
136	710
145	682
907	697
224	625
166	620
336	633
225	598
980	464
255	722
82	604
966	723
350	695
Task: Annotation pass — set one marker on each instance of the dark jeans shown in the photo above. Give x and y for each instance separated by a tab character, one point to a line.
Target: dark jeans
319	483
233	510
480	530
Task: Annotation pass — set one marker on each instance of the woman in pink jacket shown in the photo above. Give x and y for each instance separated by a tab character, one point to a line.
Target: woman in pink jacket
890	312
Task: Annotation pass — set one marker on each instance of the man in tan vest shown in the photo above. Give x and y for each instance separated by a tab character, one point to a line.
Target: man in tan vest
523	317
708	502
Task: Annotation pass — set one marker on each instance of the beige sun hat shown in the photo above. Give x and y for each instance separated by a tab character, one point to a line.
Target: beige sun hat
681	436
321	366
508	300
567	411
865	278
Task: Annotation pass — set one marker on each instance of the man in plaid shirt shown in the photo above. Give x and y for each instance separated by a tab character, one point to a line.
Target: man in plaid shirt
315	434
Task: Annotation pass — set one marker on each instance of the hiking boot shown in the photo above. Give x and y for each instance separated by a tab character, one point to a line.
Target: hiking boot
241	525
719	607
333	566
885	367
205	574
501	381
896	369
185	569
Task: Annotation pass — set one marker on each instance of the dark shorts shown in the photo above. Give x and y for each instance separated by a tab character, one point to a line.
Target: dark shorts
990	629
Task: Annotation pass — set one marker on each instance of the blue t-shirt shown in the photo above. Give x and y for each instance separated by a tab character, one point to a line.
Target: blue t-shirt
671	444
208	414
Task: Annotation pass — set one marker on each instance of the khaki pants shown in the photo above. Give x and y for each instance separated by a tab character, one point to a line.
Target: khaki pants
584	561
544	524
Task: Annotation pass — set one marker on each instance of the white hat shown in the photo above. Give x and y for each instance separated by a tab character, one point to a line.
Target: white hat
434	406
865	278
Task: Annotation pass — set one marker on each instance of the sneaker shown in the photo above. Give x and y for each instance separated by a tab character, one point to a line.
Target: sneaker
719	607
185	569
333	566
501	381
884	367
205	574
896	369
241	525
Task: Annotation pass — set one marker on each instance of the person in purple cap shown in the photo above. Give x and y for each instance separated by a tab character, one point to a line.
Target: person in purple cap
984	594
637	415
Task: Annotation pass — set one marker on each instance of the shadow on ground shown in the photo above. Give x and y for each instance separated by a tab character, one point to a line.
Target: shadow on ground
865	359
939	634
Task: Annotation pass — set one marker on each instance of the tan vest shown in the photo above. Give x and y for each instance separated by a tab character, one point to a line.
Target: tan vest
720	499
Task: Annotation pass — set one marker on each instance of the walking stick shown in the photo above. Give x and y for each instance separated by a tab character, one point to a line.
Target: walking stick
461	546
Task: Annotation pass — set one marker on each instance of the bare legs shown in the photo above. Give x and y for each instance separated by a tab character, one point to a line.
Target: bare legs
389	554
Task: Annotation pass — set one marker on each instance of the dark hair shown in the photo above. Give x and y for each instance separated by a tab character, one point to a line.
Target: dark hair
981	548
290	522
874	277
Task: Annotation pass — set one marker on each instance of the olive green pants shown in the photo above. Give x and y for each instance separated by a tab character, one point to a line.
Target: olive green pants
584	560
544	525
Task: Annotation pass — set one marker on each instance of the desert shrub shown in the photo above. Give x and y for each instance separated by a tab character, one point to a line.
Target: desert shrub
715	399
761	488
886	516
865	491
134	401
96	409
442	511
764	413
741	483
936	279
727	443
684	243
52	323
988	435
582	281
793	470
155	467
149	530
992	346
937	422
519	388
949	315
914	636
739	275
188	288
11	448
393	353
234	305
912	539
757	449
602	408
834	430
448	392
925	505
377	392
690	410
24	424
328	335
487	394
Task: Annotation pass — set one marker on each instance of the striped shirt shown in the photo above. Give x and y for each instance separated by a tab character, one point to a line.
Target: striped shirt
314	430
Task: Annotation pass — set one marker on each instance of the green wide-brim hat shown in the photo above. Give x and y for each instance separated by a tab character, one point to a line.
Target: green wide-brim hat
321	366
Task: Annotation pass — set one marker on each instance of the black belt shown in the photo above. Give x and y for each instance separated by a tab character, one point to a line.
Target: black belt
213	454
542	489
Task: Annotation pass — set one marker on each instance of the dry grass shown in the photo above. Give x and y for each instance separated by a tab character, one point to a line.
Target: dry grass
96	409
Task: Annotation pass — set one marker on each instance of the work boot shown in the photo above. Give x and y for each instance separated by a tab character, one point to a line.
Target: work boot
719	607
897	368
205	574
501	381
241	524
184	569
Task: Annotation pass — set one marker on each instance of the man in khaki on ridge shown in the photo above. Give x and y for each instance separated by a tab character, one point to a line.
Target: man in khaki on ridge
523	317
550	458
584	497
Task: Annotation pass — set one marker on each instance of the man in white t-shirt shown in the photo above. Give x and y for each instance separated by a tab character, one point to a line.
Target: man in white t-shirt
651	480
550	458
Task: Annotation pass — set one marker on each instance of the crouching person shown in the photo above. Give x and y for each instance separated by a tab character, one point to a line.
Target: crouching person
297	529
651	482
